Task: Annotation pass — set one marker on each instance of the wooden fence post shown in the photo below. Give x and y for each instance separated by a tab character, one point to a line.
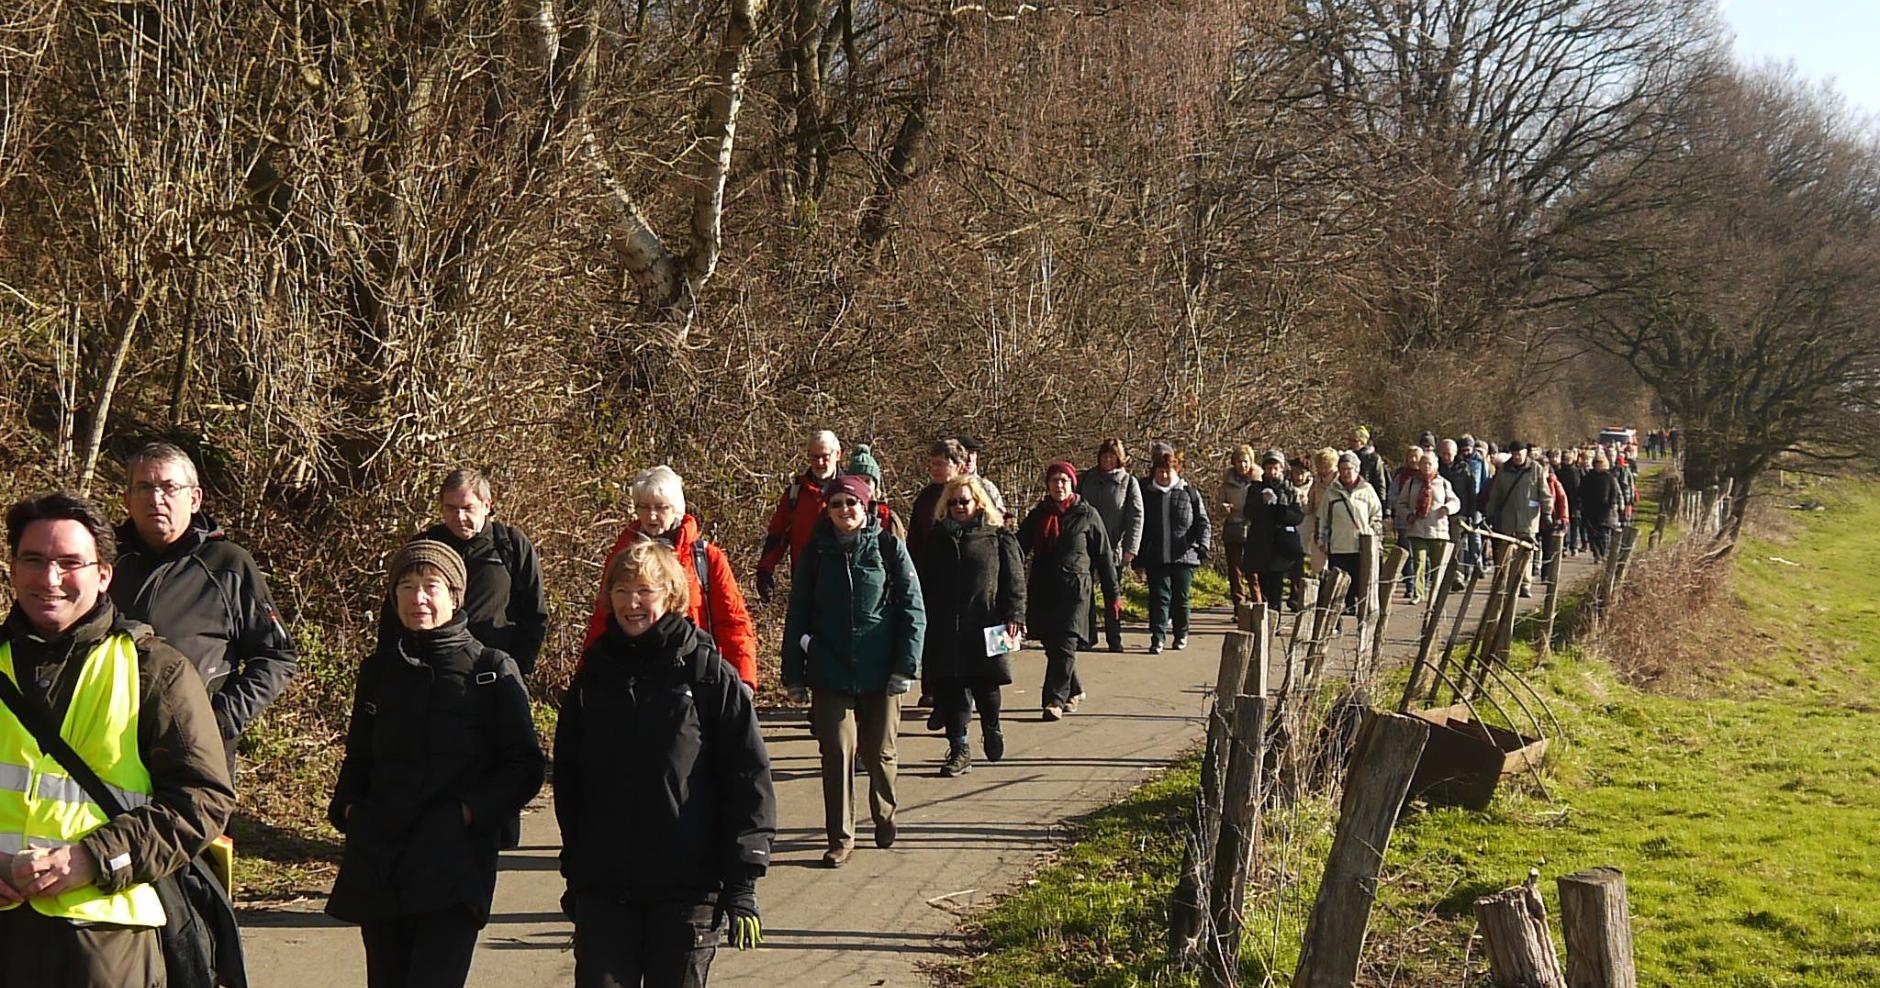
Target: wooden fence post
1367	588
1185	913
1444	577
1393	571
1550	571
1383	762
1240	814
1514	935
1595	917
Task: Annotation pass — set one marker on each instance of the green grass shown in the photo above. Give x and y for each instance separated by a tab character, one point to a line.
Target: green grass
1210	590
1744	815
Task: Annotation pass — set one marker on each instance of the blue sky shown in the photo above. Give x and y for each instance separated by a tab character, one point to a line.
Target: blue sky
1839	38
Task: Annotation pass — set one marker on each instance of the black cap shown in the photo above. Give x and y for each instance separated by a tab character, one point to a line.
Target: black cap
1427	439
968	443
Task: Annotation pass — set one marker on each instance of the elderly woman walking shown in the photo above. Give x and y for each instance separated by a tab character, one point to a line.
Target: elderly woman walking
1350	510
1070	553
713	601
440	752
1175	540
1116	495
658	739
1273	513
1425	503
973	577
851	648
1231	504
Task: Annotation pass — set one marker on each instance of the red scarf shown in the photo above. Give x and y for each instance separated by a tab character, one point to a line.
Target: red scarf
1426	500
1051	527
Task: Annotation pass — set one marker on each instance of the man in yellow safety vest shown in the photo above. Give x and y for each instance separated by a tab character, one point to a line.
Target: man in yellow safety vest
76	905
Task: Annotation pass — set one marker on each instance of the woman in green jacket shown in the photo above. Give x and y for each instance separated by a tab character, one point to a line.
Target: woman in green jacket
851	648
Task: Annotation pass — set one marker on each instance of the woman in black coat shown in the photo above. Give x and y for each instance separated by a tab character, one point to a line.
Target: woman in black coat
1601	502
1068	544
1274	515
662	789
1175	539
973	579
440	753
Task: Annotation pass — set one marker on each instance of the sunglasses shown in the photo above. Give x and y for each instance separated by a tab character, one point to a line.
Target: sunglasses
843	503
962	502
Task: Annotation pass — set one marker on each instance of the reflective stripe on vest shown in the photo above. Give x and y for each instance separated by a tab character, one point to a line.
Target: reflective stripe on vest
41	806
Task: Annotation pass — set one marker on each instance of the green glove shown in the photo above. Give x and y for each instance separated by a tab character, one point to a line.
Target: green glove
738	903
746	932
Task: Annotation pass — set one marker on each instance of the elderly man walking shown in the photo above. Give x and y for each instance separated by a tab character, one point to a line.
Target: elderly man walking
1518	499
178	572
77	908
798	510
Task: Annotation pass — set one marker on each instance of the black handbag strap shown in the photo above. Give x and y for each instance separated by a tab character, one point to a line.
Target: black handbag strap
34	720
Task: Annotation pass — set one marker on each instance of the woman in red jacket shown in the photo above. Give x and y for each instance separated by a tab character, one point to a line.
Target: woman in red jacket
716	605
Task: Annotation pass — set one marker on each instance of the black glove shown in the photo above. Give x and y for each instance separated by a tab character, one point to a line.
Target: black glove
738	900
766	585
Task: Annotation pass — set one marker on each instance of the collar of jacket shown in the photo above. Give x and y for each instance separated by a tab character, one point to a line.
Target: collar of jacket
202	529
663	645
31	648
484	541
683	534
447	648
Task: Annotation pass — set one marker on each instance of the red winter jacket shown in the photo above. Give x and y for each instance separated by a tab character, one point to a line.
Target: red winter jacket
792	523
1562	512
729	623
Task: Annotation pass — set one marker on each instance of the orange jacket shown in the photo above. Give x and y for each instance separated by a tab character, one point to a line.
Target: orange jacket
728	622
792	523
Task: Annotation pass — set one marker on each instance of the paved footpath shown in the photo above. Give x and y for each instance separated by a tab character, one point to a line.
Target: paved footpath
888	915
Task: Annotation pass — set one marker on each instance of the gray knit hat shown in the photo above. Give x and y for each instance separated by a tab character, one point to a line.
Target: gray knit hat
430	552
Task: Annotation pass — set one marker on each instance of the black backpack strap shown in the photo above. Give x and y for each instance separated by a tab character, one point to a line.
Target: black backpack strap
504	538
701	564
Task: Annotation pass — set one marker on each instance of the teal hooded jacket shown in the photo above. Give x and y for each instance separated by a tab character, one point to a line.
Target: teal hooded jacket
859	602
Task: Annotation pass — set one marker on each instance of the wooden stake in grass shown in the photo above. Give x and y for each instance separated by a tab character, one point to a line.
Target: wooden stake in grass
1596	918
1550	570
1514	932
1381	768
1444	577
1185	905
1240	815
1386	595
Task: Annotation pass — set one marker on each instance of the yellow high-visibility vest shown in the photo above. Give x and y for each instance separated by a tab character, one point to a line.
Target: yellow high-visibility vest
42	807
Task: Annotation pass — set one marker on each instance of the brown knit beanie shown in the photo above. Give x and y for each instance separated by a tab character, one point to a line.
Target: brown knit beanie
430	552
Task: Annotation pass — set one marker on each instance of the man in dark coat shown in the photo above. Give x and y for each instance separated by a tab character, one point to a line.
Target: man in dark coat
178	572
504	602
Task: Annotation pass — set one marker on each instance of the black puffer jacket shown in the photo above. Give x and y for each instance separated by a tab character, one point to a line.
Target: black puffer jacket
972	578
1057	593
207	598
1175	529
439	723
1274	539
662	781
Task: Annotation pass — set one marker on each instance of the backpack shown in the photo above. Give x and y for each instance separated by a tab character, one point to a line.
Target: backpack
701	564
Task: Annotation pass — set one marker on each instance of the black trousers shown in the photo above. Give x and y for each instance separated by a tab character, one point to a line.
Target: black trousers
954	698
1060	670
423	950
1348	562
642	945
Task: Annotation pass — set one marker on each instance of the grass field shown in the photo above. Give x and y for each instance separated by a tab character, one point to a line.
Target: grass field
1744	809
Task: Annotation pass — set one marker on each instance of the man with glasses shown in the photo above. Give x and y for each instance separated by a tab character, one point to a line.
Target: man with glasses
178	572
798	510
77	908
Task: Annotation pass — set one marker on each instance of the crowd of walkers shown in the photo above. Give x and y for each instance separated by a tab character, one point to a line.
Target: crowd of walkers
156	643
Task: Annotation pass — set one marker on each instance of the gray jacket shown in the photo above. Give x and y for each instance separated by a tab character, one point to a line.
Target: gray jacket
1117	496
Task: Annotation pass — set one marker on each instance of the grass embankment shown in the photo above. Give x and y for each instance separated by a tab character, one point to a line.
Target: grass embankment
1742	805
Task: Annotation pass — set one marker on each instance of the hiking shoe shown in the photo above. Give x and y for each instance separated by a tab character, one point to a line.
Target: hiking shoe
885	832
995	744
836	857
926	700
1525	593
959	762
1076	699
1116	647
1155	648
1181	642
1053	712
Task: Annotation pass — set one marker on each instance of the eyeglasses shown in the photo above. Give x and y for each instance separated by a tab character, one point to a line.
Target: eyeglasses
962	502
843	504
168	490
63	565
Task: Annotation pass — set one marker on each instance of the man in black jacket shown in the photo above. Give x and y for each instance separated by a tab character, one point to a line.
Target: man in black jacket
178	572
505	604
